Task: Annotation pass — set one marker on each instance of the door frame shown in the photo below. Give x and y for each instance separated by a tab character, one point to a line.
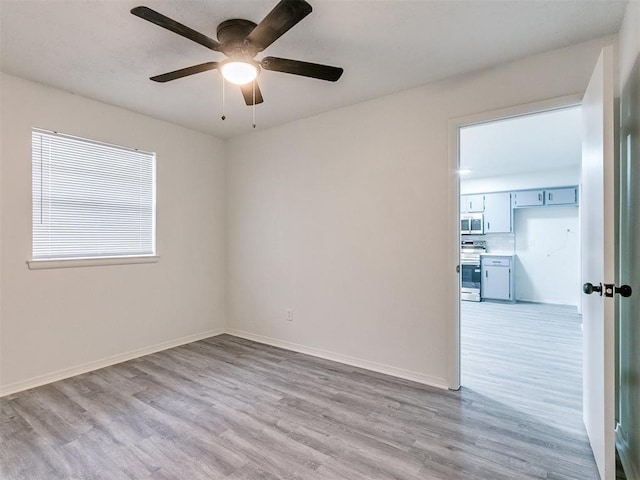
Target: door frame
455	124
628	126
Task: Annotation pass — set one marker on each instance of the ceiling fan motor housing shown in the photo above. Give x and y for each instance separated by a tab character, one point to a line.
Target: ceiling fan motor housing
232	34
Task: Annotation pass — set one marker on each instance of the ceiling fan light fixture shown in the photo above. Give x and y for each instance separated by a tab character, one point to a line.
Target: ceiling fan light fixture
239	72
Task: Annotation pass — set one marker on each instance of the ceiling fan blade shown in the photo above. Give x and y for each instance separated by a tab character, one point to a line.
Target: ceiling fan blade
306	69
165	22
247	93
184	72
278	21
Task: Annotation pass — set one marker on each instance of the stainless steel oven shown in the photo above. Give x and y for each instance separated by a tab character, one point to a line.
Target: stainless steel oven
470	269
472	224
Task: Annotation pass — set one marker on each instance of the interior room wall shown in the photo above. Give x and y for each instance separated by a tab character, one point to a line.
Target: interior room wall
349	219
58	322
629	41
547	247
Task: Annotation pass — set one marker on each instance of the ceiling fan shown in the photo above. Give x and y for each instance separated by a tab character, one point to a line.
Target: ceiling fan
241	40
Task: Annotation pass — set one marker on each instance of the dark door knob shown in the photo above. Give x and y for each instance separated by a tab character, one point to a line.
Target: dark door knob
589	288
624	290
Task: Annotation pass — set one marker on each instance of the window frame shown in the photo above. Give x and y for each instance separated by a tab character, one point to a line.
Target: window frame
88	261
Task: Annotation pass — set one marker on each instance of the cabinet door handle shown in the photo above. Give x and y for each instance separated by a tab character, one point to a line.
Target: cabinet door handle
539	197
488	225
551	196
486	274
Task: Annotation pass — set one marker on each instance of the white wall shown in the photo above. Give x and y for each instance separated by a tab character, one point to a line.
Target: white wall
560	177
547	242
348	218
629	41
60	321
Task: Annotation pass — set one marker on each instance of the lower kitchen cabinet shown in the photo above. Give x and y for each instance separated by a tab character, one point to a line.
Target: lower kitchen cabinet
497	278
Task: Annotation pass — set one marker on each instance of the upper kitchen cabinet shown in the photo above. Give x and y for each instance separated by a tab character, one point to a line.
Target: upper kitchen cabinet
472	203
497	213
561	196
548	196
528	198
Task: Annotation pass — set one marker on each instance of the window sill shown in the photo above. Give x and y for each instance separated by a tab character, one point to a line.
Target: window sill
90	262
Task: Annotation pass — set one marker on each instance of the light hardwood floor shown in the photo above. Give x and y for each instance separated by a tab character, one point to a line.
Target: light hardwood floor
227	408
527	356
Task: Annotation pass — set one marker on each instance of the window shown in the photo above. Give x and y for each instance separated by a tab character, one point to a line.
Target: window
90	199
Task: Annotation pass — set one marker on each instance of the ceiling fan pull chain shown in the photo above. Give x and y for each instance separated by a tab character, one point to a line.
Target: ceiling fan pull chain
224	117
254	104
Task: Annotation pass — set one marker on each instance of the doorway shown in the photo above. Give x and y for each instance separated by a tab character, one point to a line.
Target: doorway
520	264
455	125
600	185
521	339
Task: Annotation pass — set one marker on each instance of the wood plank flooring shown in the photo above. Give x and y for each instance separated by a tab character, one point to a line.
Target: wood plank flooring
228	408
528	357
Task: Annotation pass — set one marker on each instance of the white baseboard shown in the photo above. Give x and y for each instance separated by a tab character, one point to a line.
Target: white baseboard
346	359
105	362
630	469
315	352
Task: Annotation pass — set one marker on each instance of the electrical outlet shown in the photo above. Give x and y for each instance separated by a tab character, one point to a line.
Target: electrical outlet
289	315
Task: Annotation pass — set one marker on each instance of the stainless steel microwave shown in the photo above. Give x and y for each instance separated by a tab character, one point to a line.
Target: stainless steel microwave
472	224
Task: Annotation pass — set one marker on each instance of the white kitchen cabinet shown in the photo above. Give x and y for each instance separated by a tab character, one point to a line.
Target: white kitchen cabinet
528	198
497	281
472	203
561	196
497	213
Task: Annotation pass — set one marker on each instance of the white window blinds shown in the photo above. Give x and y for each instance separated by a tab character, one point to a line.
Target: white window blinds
91	200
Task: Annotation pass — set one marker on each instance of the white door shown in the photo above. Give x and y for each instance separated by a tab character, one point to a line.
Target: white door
598	254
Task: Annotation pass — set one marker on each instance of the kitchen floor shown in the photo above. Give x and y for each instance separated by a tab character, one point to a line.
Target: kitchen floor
527	355
529	358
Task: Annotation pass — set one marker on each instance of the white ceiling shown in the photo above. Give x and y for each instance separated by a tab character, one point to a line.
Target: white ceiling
540	142
97	49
